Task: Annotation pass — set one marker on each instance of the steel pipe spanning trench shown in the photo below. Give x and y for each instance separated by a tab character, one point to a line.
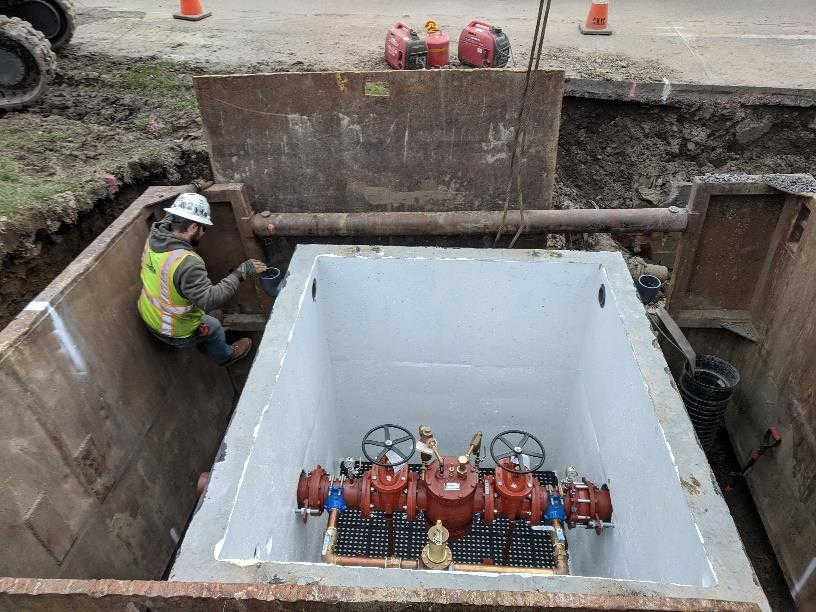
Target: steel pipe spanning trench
620	220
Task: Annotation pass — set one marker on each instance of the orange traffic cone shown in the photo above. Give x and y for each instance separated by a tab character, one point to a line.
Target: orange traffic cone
191	10
597	21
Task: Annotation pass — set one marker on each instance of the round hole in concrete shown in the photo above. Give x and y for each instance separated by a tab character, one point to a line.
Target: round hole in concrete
602	295
314	289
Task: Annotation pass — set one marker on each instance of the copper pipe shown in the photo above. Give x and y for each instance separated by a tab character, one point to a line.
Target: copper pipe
633	220
329	556
387	562
500	569
330	537
389	521
560	549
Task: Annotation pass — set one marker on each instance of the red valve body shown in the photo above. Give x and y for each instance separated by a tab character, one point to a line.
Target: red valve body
455	498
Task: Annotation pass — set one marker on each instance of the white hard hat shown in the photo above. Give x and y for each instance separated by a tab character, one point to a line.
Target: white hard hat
192	206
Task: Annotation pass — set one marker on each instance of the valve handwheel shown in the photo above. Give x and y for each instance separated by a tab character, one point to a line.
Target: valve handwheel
518	443
382	437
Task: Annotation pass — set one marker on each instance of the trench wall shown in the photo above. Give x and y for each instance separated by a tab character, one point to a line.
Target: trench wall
383	140
105	430
778	388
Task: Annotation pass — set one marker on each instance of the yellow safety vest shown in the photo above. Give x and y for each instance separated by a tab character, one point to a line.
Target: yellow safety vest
161	306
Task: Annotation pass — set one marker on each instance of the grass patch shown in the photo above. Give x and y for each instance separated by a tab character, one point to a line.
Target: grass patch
18	190
162	80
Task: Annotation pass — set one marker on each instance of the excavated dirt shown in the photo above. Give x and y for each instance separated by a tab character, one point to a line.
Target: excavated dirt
620	154
71	163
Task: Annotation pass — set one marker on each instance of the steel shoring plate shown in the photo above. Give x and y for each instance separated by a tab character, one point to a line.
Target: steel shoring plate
359	536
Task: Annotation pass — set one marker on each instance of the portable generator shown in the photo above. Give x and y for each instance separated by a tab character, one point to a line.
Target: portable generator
483	45
404	49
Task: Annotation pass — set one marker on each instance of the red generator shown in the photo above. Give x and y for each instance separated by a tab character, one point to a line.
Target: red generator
404	49
483	46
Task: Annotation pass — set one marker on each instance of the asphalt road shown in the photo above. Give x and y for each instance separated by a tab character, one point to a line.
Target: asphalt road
749	42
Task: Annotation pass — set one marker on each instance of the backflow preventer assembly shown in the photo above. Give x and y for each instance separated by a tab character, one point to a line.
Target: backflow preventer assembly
451	491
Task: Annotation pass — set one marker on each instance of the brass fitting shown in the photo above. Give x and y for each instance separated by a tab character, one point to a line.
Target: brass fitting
425	433
559	547
475	443
427	440
464	462
437	554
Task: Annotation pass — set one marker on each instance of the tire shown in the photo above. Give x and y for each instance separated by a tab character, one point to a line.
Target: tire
69	14
35	63
54	18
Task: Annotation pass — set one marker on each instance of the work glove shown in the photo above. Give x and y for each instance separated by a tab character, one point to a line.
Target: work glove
250	268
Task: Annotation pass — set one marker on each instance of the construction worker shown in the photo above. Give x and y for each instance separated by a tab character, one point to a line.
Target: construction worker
176	291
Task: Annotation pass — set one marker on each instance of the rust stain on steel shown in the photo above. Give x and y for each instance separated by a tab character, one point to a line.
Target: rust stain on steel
98	595
723	263
441	139
745	259
467	222
342	82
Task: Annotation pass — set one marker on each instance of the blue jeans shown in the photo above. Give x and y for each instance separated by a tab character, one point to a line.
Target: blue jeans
215	342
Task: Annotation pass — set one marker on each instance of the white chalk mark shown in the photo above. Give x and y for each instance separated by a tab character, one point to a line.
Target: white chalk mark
405	145
779	36
666	90
63	335
693	52
675	33
811	567
390	132
498	142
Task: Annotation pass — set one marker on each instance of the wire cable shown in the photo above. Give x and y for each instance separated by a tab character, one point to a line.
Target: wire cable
521	132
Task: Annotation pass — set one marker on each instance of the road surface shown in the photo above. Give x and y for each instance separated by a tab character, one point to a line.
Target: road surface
750	42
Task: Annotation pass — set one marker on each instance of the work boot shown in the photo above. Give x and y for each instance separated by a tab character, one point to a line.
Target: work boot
240	349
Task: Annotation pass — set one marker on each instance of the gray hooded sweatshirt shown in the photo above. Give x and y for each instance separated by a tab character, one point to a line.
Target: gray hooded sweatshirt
191	278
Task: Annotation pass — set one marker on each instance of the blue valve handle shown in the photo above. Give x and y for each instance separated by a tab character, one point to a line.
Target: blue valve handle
555	510
335	500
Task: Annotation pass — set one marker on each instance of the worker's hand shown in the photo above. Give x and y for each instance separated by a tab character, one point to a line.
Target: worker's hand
251	268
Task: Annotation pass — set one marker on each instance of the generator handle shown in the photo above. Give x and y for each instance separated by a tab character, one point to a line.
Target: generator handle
480	22
402	25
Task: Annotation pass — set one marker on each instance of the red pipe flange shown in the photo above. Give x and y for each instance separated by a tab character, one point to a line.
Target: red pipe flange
411	497
489	500
365	495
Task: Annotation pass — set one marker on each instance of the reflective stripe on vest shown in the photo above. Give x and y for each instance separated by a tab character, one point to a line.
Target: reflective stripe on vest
161	305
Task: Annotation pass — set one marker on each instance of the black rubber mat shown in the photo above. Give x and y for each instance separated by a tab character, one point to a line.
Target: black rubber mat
369	537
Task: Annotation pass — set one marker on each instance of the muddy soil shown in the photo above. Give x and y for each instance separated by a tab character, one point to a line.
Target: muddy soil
71	163
618	154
